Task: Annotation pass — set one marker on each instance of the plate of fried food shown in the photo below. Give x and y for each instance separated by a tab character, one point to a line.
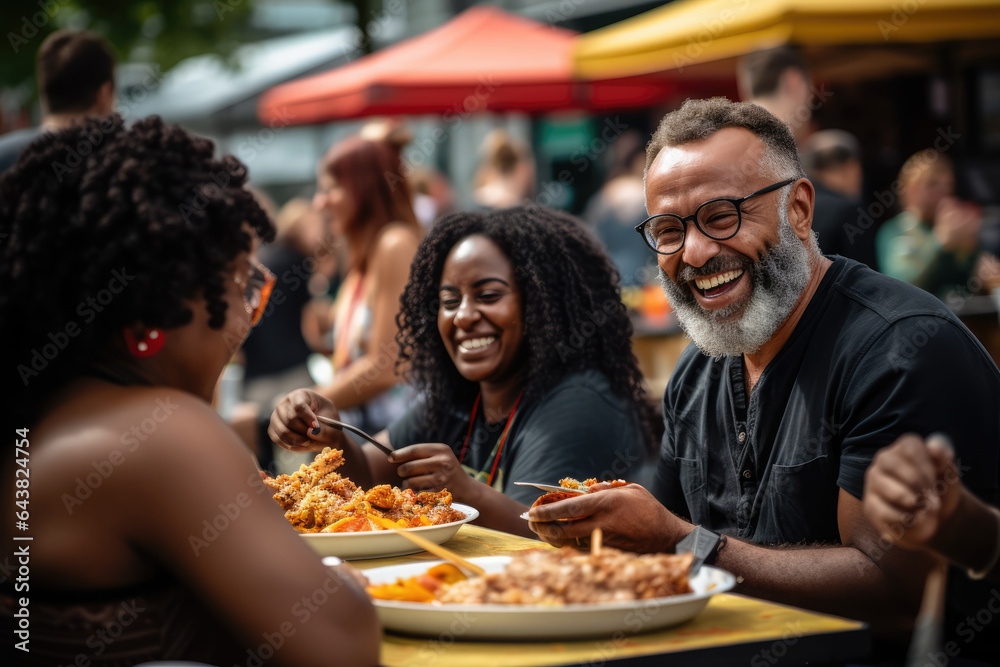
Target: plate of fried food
545	595
339	518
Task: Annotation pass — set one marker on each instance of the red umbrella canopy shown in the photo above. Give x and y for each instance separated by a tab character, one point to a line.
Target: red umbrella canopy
482	60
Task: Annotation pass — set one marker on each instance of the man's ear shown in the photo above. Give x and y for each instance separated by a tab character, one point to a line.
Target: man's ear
105	103
800	207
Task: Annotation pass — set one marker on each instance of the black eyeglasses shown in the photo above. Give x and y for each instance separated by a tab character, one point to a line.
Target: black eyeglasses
718	219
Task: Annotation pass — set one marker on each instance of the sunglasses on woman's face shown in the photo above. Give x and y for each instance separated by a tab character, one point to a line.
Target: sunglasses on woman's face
256	290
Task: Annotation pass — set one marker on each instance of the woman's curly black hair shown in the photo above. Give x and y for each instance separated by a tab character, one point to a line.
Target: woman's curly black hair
573	315
103	226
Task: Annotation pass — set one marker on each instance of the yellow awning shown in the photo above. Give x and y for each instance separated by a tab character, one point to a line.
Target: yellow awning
691	32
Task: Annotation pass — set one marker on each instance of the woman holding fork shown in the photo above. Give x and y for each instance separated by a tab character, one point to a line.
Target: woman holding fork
519	348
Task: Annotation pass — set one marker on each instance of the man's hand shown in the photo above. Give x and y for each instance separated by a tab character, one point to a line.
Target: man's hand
629	517
294	425
431	466
911	490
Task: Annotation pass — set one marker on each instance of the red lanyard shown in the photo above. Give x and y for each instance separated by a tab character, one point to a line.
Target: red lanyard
503	436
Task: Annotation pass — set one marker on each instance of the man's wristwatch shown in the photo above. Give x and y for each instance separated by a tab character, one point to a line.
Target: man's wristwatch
710	558
704	544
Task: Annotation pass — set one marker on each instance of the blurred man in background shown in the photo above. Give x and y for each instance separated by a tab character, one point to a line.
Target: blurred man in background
832	159
76	80
778	80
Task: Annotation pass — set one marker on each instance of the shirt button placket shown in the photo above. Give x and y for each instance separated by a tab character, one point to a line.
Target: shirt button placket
746	498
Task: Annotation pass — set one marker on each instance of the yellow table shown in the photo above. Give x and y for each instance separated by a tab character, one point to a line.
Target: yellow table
732	629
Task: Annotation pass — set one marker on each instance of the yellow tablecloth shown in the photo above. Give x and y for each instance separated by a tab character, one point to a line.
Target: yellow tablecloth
727	620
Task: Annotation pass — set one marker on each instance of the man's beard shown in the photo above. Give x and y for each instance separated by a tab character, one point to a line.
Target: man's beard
777	280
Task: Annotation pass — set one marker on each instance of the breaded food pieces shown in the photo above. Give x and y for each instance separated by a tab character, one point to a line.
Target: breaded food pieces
316	498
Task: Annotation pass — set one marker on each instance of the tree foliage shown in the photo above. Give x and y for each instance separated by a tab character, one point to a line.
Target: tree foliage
162	32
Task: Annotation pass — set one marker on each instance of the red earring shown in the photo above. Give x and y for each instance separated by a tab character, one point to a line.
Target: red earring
150	344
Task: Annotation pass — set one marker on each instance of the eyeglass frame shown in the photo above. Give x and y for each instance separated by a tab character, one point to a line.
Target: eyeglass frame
261	281
737	202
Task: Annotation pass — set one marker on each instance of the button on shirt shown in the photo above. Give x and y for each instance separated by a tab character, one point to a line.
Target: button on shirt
870	359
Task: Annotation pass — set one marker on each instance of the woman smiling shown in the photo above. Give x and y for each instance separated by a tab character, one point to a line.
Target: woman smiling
520	348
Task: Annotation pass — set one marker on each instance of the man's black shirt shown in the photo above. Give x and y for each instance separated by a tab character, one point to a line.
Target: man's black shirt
871	359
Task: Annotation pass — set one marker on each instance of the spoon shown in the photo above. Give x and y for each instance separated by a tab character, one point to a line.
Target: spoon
340	426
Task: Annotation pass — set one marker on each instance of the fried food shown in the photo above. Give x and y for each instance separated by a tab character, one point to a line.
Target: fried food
552	577
590	485
420	588
587	486
317	499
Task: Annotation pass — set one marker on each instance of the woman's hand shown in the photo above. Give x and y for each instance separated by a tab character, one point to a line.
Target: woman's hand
294	425
911	490
431	466
956	225
629	517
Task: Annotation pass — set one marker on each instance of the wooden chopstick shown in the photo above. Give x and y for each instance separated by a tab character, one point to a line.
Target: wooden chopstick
595	542
439	550
927	630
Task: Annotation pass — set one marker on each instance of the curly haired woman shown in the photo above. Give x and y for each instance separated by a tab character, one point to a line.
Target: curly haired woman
127	281
518	343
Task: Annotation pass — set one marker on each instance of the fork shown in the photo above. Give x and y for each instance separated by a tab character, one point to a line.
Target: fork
340	426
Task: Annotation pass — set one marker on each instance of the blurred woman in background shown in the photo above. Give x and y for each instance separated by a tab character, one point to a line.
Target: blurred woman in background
367	200
934	242
506	175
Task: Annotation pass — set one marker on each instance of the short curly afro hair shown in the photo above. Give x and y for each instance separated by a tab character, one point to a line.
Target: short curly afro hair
573	315
103	226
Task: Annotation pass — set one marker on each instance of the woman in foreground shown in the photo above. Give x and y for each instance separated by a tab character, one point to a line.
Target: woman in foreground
126	284
520	347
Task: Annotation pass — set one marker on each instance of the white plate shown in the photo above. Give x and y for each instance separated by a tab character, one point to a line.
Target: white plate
382	543
540	622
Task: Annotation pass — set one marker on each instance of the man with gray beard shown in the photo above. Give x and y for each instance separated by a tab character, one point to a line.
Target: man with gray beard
802	367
